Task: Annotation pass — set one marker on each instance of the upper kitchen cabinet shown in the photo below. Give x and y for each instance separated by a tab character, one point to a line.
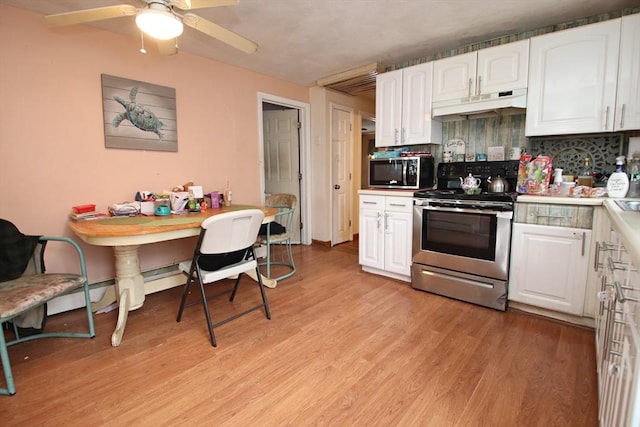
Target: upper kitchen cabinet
403	108
628	101
487	79
572	80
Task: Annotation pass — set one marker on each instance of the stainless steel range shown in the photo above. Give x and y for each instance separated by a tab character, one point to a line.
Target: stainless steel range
461	242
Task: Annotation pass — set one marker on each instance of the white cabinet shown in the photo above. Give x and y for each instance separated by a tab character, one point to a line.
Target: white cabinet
627	115
403	107
549	267
371	239
475	75
572	80
618	336
385	235
454	77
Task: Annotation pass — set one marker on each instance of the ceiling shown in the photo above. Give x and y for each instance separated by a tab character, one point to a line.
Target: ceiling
305	40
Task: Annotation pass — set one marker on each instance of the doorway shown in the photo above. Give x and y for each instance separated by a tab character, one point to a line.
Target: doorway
341	174
282	156
284	139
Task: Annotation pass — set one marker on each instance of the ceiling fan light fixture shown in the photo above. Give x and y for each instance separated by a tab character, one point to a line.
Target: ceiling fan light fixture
159	24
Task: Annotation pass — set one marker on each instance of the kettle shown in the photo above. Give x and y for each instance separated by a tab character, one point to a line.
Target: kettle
497	185
470	182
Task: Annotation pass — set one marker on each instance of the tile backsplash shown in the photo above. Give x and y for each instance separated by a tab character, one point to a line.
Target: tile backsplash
481	134
568	151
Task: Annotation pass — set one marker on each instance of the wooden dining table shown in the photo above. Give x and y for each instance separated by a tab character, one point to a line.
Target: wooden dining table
126	235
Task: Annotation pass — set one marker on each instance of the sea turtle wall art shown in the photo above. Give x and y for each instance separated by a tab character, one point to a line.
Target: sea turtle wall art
139	115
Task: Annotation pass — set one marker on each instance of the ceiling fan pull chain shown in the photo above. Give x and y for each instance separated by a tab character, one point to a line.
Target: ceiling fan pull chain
142	49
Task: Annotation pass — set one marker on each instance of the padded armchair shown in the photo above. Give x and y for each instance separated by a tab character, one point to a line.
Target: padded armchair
224	250
25	288
276	236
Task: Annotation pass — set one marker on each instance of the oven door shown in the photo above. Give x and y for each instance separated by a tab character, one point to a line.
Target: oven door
468	240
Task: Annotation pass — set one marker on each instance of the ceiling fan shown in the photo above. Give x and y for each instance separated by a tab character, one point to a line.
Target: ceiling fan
161	20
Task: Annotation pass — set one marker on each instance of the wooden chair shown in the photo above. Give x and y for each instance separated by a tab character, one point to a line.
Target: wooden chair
224	250
26	296
276	236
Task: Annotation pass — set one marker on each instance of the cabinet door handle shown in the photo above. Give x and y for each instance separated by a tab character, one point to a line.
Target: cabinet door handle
624	107
395	136
583	237
402	136
378	220
470	84
619	292
603	295
596	259
479	88
386	222
606	119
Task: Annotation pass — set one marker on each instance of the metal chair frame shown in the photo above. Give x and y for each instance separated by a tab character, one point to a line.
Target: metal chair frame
217	237
280	243
24	281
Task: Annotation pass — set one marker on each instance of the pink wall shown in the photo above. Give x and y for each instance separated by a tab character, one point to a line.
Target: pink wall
52	142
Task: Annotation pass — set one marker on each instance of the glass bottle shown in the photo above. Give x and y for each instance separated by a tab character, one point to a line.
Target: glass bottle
634	177
585	176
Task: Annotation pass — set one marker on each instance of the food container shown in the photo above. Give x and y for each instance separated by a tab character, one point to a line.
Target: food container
565	188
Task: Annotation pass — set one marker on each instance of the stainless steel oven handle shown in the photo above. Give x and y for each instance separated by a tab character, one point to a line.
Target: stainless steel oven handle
502	214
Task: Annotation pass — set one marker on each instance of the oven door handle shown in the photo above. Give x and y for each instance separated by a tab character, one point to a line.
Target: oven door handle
499	214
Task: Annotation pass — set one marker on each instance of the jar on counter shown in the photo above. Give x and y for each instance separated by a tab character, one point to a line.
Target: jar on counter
633	169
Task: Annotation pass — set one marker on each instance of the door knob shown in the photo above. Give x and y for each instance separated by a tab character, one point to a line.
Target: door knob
337	186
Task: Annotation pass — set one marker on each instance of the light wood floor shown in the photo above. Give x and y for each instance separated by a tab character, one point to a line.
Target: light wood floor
343	348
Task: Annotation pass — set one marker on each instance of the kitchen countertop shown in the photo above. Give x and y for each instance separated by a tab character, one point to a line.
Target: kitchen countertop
387	192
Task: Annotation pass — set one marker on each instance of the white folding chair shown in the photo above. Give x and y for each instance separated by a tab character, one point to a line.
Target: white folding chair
224	250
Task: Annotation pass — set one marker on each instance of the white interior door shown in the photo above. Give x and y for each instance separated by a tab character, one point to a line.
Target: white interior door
282	157
341	141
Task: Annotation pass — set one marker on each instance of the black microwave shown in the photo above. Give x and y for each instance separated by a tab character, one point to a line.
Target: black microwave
411	173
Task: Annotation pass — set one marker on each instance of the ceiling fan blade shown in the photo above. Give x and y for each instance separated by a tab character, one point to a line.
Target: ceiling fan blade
91	15
220	33
200	4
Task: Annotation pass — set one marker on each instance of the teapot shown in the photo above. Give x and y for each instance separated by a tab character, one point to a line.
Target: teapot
470	182
498	185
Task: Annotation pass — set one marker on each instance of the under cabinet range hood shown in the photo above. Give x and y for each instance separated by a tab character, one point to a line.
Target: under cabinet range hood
484	105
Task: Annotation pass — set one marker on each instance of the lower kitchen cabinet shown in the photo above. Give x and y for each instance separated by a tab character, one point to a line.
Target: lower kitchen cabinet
549	266
385	235
618	335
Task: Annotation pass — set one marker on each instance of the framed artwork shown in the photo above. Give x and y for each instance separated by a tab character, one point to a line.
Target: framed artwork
138	115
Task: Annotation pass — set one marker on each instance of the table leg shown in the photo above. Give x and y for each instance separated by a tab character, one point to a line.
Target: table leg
129	287
269	283
128	275
107	299
123	313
